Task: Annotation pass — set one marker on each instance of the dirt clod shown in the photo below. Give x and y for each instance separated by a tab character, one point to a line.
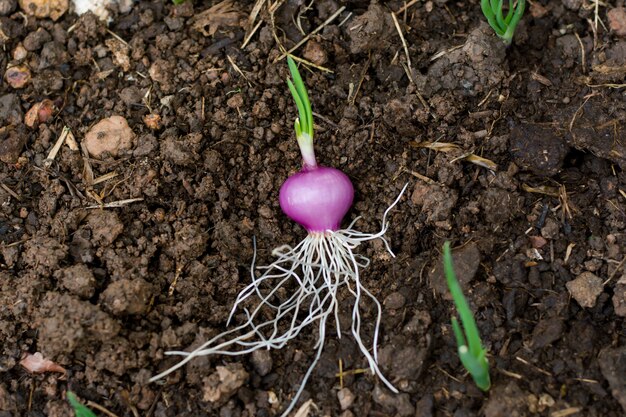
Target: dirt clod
223	383
12	142
69	324
400	403
546	332
43	9
538	149
506	400
78	279
436	201
585	289
617	20
35	40
466	261
109	136
105	226
10	110
44	253
370	30
7	7
127	296
613	366
394	301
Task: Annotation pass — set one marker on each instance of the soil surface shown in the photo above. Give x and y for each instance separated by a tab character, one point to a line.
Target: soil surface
136	235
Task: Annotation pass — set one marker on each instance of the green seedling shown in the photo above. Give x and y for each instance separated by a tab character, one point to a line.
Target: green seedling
79	409
504	26
472	354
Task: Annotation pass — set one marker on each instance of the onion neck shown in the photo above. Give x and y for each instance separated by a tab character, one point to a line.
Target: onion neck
305	142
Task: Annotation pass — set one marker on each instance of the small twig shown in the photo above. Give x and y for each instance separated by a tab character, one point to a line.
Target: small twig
610	85
238	70
340	373
252	32
538	369
307	37
100	408
511	374
582	54
404	45
571	123
421	177
116	36
105	177
253	15
619	266
10	191
57	146
566	412
115	204
406	6
444	52
361	78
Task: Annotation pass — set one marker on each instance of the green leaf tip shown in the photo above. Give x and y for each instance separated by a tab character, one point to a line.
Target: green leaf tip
79	409
504	26
471	352
303	124
301	97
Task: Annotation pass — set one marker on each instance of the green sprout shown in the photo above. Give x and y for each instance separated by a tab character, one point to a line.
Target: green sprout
79	409
304	123
503	26
472	354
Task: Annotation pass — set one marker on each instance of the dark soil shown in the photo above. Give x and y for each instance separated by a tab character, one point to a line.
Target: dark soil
105	292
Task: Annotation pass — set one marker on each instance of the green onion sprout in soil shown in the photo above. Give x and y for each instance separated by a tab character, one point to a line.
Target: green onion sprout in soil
79	409
471	352
300	288
504	26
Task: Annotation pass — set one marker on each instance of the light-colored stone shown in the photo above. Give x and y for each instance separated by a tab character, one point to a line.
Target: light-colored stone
617	20
585	289
346	398
43	9
111	135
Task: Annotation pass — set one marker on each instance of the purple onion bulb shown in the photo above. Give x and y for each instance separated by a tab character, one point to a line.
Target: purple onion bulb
317	199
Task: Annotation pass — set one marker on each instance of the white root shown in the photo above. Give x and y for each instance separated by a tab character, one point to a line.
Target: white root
319	267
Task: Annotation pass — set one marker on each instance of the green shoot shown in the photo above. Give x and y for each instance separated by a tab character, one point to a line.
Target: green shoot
304	123
472	354
504	26
79	409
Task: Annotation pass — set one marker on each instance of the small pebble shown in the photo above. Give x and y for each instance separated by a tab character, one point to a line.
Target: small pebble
585	289
17	76
314	52
235	101
111	135
262	362
617	20
152	121
346	398
19	53
538	242
394	301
